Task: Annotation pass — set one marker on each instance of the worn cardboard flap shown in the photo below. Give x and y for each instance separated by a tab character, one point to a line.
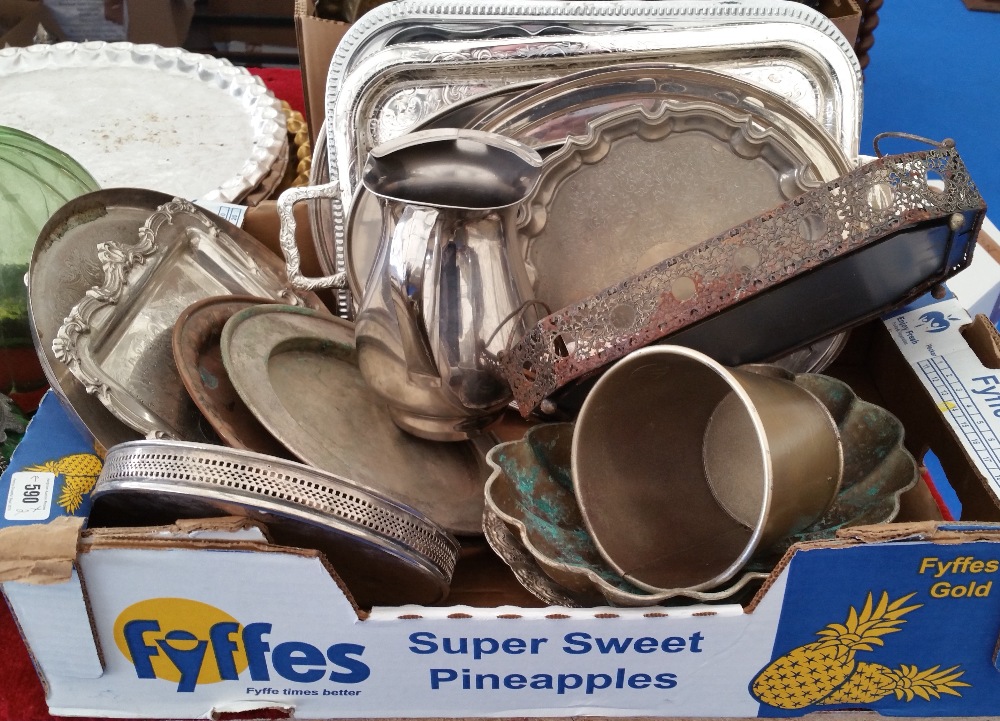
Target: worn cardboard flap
936	531
234	528
984	340
318	39
42	553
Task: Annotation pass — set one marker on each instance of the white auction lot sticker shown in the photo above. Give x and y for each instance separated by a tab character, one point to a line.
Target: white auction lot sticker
30	496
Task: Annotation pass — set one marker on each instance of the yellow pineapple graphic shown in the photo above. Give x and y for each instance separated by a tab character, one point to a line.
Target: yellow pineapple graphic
80	472
871	682
806	675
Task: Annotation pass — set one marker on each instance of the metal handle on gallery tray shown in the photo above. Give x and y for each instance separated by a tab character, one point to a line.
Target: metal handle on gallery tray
286	236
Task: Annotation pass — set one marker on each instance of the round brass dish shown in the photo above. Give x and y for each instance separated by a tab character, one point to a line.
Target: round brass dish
297	372
198	356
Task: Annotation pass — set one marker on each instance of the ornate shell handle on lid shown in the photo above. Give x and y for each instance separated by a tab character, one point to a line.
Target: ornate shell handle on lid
286	237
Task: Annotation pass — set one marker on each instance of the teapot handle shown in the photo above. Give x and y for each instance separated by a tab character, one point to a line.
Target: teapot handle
286	236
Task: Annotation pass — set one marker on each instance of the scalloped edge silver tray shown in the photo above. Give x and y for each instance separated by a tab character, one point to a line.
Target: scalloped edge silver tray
134	156
784	40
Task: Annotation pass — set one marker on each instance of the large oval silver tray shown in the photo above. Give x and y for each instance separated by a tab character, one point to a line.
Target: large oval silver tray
791	51
116	340
193	126
643	186
386	553
297	371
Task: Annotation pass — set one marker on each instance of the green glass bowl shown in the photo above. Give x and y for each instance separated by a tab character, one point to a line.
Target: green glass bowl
36	180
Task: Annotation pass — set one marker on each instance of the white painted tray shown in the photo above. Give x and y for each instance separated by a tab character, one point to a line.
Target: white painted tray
142	116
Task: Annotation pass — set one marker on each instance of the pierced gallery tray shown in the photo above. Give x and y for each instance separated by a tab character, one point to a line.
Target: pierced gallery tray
386	553
297	372
117	339
190	125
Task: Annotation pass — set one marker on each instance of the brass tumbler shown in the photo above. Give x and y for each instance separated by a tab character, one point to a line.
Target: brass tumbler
684	468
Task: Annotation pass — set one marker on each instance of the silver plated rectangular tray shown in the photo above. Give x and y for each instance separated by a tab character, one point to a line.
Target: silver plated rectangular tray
407	21
117	339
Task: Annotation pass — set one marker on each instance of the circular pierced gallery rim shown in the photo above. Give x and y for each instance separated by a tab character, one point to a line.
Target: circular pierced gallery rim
385	552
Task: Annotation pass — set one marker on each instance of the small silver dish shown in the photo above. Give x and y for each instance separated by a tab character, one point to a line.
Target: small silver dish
116	340
386	553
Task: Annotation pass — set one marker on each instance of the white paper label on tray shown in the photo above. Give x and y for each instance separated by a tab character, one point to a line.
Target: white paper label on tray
227	211
30	496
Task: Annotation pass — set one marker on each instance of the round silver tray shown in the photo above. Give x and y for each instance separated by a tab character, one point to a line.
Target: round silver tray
385	552
297	371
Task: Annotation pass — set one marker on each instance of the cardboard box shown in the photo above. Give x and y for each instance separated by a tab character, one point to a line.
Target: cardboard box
20	21
263	29
317	39
846	15
207	617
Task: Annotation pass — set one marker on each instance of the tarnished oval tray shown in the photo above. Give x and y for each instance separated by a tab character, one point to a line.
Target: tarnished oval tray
198	357
642	186
191	125
297	371
117	338
545	115
386	553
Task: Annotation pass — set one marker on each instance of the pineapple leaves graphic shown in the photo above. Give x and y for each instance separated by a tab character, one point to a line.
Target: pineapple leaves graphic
826	671
79	471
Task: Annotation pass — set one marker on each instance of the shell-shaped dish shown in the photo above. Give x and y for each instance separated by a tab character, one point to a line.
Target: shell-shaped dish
190	125
877	468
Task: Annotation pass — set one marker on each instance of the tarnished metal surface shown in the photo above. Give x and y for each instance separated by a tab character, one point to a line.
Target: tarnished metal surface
921	235
530	494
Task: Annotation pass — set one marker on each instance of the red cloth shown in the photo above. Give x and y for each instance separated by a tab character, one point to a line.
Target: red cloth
285	83
21	696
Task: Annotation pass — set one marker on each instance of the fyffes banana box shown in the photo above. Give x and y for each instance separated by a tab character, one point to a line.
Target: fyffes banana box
50	474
